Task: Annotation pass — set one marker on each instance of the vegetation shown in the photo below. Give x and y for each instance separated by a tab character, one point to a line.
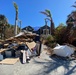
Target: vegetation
6	29
48	14
48	40
60	32
63	33
3	24
71	27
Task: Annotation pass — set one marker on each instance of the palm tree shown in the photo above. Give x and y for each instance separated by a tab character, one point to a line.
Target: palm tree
20	24
16	17
48	14
71	26
74	5
3	23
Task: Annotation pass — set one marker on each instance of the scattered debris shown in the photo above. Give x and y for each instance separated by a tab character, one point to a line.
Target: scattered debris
16	47
31	44
12	47
1	57
64	51
9	61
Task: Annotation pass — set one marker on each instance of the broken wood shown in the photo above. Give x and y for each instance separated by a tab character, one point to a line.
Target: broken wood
9	61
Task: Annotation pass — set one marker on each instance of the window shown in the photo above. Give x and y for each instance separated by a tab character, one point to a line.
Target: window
46	31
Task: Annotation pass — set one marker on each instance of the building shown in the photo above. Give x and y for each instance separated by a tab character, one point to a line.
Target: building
43	30
28	28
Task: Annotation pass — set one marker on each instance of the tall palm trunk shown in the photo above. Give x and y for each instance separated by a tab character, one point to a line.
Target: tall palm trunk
52	28
20	26
46	25
16	22
16	18
4	28
1	32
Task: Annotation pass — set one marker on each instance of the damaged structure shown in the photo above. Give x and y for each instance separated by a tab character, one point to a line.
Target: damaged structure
18	46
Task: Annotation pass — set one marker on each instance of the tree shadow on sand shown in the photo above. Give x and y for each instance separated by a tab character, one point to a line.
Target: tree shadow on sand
54	64
71	71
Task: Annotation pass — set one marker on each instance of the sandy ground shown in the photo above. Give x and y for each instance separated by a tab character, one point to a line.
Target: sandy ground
44	65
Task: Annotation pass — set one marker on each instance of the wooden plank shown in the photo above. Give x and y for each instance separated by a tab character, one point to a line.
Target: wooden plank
2	50
24	57
31	44
9	61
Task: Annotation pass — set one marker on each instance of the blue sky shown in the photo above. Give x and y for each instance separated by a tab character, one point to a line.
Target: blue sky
29	11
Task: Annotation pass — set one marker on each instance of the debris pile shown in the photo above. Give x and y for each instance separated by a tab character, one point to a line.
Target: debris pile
18	46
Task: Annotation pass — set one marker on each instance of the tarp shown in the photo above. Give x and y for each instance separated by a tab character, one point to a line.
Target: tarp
64	51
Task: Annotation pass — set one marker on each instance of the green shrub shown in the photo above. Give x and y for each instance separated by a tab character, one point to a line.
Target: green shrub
50	41
50	38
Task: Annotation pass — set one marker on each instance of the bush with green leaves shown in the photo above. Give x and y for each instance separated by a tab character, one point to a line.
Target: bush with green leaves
50	41
50	38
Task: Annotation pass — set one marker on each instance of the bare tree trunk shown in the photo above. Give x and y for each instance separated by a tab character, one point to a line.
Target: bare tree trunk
16	22
52	28
20	26
16	28
4	32
1	32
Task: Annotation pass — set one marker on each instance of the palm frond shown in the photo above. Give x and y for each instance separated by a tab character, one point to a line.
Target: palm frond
16	7
74	6
45	13
48	11
75	1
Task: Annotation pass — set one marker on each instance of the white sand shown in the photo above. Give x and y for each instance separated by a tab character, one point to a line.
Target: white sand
41	66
